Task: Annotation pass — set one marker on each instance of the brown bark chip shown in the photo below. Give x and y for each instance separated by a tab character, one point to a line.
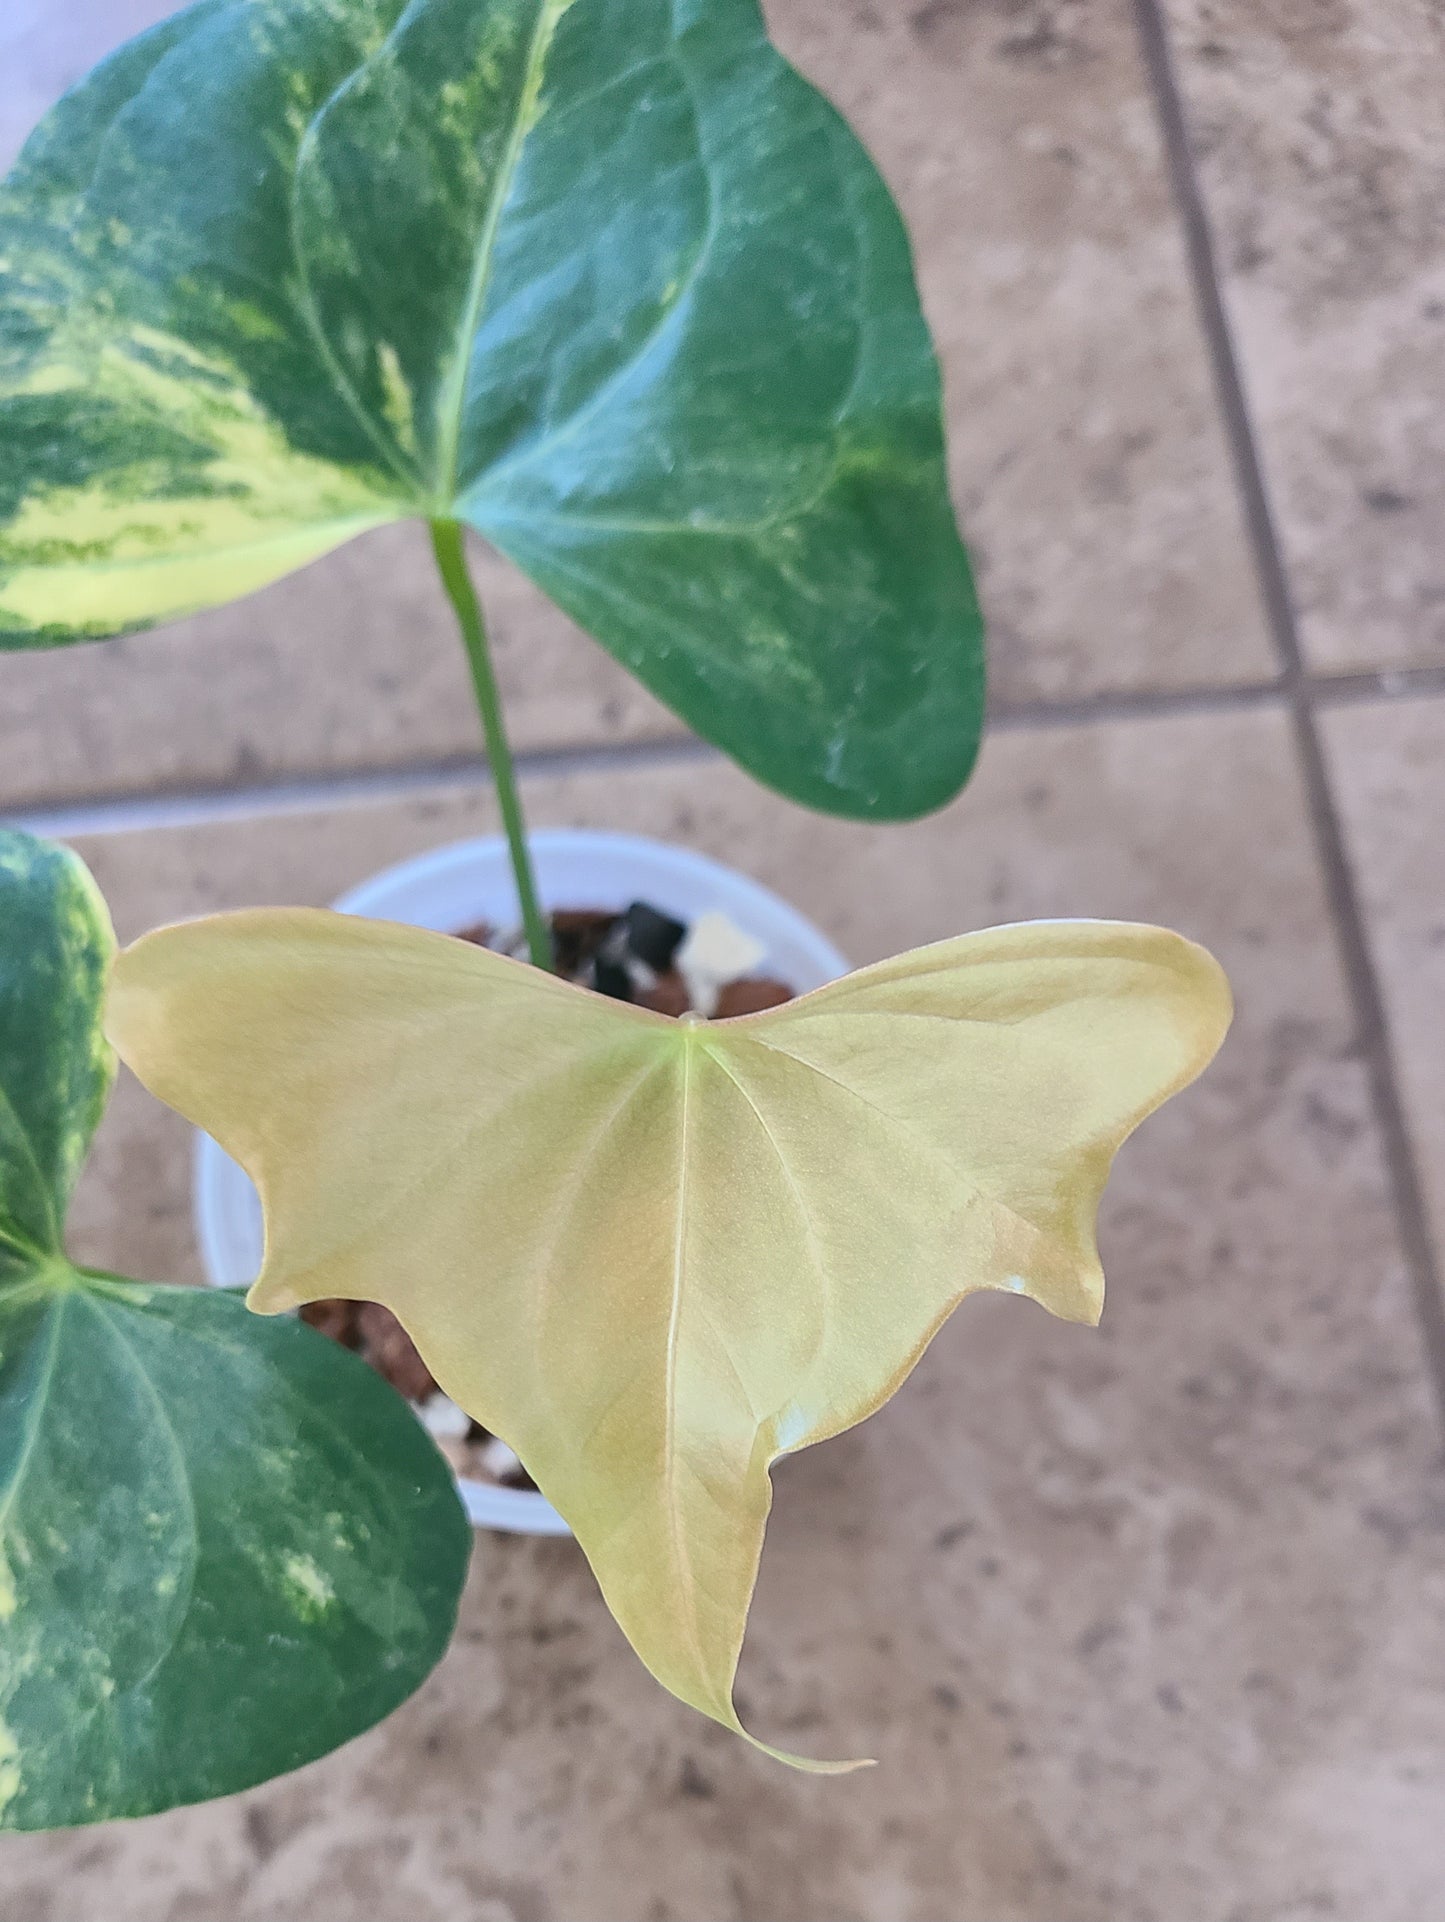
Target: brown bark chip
389	1349
749	997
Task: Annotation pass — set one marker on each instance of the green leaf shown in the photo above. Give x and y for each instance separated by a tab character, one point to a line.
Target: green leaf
226	1546
605	279
56	1067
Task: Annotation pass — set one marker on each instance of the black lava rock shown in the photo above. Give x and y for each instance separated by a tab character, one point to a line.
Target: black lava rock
652	937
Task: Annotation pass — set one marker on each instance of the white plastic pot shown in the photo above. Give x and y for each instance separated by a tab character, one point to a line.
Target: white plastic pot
455	887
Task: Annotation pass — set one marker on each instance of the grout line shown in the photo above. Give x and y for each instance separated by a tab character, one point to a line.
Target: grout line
1385	684
1303	696
200	806
1087	710
179	807
1219	339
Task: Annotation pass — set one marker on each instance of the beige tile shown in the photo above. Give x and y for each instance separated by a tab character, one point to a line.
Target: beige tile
1142	1624
1388	765
354	663
47	45
1321	132
1087	461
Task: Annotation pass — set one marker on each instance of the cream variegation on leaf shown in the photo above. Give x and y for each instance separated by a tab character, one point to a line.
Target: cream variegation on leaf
656	1255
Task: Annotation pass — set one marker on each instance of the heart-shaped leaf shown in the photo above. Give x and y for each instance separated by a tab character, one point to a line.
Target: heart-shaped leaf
603	278
656	1255
225	1545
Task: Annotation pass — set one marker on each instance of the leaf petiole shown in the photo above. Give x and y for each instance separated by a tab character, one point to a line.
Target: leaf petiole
446	536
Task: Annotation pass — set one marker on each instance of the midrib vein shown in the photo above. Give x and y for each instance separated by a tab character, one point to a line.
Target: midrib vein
453	393
17	1131
681	1558
35	1412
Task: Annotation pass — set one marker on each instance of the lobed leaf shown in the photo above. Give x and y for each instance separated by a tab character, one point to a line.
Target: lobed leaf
655	1255
225	1545
605	279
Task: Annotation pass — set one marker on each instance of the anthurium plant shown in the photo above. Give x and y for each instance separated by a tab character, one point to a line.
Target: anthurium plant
225	1544
607	283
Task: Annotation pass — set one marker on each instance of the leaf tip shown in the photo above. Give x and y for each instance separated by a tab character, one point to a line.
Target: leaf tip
806	1764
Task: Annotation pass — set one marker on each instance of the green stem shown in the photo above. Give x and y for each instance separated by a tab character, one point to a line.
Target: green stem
446	539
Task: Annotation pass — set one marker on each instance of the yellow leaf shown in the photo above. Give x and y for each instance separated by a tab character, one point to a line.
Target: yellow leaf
652	1255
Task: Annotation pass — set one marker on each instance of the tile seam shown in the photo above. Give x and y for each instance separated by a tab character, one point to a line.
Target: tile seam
128	813
1302	695
134	810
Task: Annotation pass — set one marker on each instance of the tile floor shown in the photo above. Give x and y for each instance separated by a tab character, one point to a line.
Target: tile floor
1144	1625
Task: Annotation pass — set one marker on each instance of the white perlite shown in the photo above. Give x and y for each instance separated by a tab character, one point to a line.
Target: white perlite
715	952
498	1459
441	1417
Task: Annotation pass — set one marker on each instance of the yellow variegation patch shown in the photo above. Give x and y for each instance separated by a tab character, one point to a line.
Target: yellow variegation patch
654	1256
240	508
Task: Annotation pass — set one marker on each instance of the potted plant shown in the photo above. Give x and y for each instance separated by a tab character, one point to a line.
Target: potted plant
608	283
